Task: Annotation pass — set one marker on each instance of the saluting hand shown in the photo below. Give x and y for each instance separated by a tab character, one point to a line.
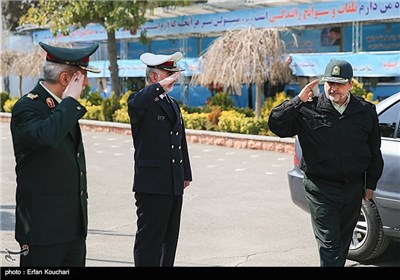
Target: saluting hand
168	83
75	86
306	93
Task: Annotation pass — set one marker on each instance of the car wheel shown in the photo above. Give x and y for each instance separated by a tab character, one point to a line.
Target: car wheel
368	240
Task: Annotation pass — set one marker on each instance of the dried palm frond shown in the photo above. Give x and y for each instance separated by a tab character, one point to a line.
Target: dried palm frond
243	56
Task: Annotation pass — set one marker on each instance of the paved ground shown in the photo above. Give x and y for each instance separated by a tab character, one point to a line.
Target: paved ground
237	212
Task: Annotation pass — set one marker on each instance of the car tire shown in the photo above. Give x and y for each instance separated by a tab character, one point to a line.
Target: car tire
368	240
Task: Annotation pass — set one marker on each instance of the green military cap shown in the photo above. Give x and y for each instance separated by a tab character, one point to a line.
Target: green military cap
75	57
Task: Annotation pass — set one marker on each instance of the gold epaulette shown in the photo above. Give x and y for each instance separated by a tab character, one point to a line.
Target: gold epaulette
32	96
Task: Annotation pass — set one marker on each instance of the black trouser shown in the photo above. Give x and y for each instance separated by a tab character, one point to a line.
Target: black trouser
334	215
68	254
158	221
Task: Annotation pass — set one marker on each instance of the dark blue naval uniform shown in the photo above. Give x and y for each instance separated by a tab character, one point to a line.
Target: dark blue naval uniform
51	193
161	166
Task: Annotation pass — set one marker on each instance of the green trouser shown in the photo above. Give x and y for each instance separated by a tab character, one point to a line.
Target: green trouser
334	214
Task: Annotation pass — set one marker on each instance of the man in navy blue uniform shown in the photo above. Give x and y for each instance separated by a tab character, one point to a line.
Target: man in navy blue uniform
51	199
162	166
342	161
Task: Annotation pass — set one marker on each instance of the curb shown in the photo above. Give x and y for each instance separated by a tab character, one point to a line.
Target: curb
226	139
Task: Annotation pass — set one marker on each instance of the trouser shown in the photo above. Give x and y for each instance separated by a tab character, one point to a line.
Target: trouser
158	221
68	254
334	215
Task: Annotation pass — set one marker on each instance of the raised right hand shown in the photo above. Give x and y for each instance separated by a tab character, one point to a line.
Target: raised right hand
306	92
168	83
75	86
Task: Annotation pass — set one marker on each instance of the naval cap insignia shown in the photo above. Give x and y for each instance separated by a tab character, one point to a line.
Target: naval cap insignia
32	96
50	102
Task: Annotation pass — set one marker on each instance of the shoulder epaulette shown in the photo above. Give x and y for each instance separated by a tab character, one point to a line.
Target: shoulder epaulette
32	96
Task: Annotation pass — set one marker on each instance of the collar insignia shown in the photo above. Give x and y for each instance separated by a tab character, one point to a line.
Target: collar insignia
50	102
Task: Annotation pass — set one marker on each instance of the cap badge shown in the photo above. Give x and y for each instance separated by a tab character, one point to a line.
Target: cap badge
32	96
336	71
50	102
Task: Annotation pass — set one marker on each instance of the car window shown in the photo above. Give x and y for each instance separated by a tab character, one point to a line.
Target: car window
389	120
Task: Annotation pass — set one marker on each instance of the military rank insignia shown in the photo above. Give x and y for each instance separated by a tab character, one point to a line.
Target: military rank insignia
156	99
32	96
50	102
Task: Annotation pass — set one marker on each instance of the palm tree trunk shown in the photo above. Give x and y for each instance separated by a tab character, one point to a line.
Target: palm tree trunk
112	56
258	99
20	86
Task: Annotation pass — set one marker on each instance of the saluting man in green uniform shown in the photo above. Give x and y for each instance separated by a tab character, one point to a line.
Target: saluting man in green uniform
51	198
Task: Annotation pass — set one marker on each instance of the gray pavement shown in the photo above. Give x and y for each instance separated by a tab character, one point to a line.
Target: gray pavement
237	211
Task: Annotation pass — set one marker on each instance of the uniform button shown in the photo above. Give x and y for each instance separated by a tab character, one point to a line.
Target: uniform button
177	133
81	173
173	161
78	107
172	146
77	155
180	147
170	133
157	89
180	161
81	193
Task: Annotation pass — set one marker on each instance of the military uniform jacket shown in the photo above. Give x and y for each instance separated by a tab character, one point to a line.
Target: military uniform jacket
50	167
161	154
337	149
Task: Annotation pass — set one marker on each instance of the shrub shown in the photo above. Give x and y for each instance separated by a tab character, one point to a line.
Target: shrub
213	116
271	102
95	98
121	115
93	111
109	106
9	104
123	102
195	120
262	123
230	121
4	96
249	126
248	112
221	99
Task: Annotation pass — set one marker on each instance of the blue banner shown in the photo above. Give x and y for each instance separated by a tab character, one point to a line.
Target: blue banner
385	64
136	68
295	15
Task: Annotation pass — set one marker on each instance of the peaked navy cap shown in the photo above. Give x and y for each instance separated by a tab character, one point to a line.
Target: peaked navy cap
162	61
76	57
